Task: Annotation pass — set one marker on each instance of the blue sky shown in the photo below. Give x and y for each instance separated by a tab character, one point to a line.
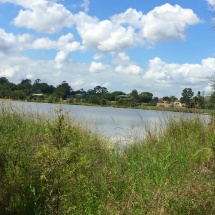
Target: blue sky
156	46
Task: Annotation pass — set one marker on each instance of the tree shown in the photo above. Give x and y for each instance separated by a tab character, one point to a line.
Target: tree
146	97
155	100
64	89
100	90
212	98
187	94
166	98
115	94
199	100
25	86
173	98
134	96
3	80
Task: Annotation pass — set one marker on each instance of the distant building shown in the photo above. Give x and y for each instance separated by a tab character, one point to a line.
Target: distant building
77	96
177	104
37	94
122	96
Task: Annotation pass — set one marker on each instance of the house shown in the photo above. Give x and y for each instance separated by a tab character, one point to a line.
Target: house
177	104
77	96
37	94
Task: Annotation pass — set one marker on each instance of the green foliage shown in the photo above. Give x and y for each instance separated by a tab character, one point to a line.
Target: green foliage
134	97
187	94
146	97
60	167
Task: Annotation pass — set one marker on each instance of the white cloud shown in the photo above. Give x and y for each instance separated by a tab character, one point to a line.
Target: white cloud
96	67
63	43
85	5
122	31
167	22
130	16
78	83
160	78
43	44
98	56
129	70
122	59
9	72
211	3
105	35
12	44
61	58
179	76
54	16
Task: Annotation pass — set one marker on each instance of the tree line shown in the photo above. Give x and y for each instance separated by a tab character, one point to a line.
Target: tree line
43	92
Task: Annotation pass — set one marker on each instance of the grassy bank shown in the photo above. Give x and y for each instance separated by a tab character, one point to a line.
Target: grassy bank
60	167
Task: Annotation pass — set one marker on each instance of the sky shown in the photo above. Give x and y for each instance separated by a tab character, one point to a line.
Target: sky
152	46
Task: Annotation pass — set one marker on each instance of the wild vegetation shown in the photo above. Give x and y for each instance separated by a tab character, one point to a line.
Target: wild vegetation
42	92
60	167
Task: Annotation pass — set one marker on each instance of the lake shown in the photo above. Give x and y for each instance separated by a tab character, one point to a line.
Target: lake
121	124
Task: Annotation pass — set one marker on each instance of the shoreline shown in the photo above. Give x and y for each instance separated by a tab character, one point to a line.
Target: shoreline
155	108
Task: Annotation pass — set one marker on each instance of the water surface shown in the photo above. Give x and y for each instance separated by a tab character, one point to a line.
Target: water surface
120	124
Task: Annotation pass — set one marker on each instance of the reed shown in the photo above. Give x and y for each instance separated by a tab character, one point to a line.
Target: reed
60	167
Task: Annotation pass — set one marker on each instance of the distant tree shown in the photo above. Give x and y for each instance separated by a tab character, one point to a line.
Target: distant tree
94	99
155	99
25	86
81	91
6	89
173	98
199	100
19	94
211	103
166	98
115	94
3	80
212	98
187	94
134	96
90	92
64	89
100	90
146	97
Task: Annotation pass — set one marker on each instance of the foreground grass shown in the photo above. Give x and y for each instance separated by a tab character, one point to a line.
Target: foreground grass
59	167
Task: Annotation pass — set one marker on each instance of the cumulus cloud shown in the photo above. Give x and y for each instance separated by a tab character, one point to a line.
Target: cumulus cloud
85	5
131	28
125	66
122	31
9	72
98	56
153	25
65	42
61	58
106	36
211	3
174	18
12	44
130	16
54	16
129	70
122	58
115	35
179	74
96	67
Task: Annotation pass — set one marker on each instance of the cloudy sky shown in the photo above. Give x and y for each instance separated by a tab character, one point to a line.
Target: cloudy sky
157	46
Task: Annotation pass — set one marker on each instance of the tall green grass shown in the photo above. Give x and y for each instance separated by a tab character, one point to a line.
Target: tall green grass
60	167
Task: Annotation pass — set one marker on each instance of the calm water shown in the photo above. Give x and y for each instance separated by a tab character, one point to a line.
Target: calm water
116	123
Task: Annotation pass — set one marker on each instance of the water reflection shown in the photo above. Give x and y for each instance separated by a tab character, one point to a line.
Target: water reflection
119	124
